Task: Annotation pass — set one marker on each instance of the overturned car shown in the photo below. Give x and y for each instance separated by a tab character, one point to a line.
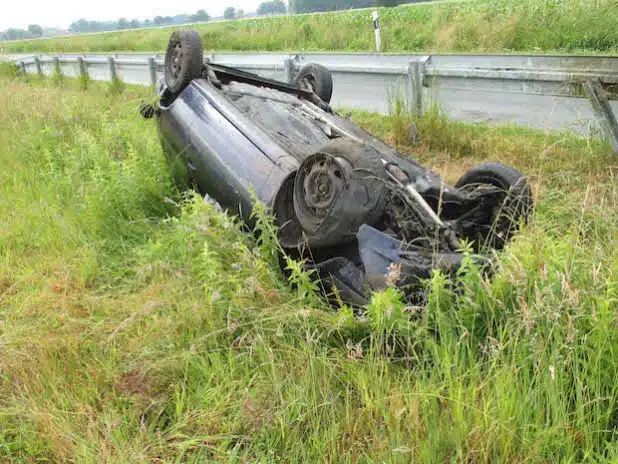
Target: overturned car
344	201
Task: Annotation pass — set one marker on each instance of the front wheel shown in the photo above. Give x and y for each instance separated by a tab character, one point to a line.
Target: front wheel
316	78
184	59
506	197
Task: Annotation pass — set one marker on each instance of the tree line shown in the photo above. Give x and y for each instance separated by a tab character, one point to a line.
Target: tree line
270	7
32	32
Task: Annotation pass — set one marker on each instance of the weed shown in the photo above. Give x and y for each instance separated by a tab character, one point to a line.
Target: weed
116	86
9	70
84	81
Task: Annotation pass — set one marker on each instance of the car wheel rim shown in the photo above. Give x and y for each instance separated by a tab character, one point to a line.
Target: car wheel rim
176	60
322	185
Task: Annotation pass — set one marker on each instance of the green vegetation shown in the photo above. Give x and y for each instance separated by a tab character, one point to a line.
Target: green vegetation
138	325
479	26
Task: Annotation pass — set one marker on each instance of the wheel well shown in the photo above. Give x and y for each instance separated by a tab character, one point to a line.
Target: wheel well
290	232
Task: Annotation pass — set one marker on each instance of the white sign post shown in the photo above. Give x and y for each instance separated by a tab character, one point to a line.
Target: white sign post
376	27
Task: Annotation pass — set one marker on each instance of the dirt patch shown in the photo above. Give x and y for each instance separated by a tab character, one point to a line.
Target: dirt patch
256	413
135	382
5	285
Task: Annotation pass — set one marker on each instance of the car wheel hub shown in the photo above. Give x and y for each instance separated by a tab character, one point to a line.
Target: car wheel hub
176	61
323	184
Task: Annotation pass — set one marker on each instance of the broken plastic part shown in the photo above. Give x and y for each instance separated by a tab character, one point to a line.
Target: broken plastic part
378	251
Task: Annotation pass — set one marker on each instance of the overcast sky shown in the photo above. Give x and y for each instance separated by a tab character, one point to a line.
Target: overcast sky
61	13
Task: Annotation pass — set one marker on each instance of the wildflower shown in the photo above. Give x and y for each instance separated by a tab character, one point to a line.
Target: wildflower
354	351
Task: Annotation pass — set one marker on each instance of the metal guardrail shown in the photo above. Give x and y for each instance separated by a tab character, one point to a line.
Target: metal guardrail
550	92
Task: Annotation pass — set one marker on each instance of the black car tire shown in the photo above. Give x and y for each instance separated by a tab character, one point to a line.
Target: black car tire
517	202
356	194
183	59
317	78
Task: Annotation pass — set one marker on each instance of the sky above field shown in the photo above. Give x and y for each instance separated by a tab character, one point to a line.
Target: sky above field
61	13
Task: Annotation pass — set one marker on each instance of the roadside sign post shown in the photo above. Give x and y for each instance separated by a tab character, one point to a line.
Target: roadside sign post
376	28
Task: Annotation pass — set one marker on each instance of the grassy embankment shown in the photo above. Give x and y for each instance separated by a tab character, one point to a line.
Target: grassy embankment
478	26
136	326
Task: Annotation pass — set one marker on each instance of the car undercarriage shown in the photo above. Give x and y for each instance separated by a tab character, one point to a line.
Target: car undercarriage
349	205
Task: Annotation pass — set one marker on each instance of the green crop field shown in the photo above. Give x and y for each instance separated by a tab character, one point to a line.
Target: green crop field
139	324
479	26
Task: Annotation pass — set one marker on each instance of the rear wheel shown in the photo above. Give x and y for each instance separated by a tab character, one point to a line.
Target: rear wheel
316	78
509	202
183	59
338	189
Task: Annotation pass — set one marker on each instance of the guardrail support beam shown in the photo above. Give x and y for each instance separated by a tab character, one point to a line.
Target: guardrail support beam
83	70
603	111
152	67
289	70
22	66
39	69
57	67
416	75
112	68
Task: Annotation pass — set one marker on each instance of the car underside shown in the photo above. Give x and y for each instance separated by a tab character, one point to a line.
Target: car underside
353	208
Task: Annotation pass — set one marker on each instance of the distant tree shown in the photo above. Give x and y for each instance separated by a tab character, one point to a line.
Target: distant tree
147	23
14	34
123	23
200	16
240	13
168	19
271	8
79	26
229	13
35	30
134	24
96	26
159	20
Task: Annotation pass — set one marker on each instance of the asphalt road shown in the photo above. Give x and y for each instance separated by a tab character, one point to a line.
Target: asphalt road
377	92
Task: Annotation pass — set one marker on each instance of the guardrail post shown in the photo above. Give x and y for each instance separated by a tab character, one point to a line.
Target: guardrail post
289	70
112	68
83	70
57	67
152	66
416	73
22	66
39	69
603	111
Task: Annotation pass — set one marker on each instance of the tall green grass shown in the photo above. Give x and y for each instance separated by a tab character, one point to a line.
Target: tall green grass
479	26
141	325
